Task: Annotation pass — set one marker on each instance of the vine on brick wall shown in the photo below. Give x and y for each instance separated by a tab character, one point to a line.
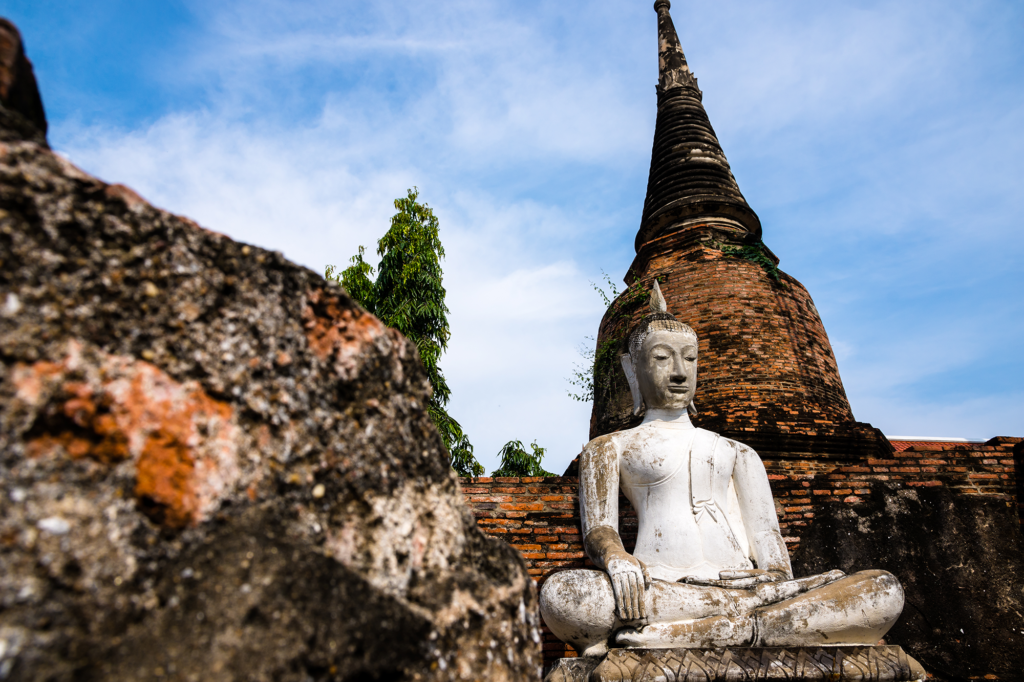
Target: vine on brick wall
755	253
595	376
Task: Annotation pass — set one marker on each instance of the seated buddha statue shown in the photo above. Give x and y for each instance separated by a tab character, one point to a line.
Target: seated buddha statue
710	568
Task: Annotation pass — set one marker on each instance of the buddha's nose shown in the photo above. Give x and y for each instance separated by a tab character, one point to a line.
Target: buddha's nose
678	375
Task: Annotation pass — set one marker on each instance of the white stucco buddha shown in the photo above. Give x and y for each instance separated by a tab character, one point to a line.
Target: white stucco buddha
710	568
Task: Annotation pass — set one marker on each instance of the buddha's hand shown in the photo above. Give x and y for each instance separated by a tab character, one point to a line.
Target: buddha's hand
741	579
630	580
752	576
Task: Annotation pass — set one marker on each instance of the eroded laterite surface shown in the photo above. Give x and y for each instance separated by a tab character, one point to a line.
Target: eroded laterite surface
337	332
109	408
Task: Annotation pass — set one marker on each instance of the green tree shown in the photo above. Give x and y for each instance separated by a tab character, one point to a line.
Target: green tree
408	295
462	459
516	461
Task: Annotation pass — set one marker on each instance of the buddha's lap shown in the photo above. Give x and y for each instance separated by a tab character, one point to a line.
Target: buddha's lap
568	594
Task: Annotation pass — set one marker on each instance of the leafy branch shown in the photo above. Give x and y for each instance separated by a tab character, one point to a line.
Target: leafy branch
408	295
516	461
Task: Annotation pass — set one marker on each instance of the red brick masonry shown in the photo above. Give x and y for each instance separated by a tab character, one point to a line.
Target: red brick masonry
540	516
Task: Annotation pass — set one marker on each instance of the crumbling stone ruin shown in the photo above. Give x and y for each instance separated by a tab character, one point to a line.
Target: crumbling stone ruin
213	464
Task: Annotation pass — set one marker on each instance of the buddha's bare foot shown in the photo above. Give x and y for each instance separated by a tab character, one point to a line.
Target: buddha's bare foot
813	582
595	650
631	638
701	632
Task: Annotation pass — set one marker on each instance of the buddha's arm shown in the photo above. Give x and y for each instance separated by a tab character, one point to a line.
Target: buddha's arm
599	511
758	511
599	501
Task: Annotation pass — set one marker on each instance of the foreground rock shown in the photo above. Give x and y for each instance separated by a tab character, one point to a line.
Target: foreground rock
961	561
215	465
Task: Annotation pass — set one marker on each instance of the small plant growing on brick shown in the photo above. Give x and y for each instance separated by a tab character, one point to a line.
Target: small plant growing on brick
755	253
597	373
516	461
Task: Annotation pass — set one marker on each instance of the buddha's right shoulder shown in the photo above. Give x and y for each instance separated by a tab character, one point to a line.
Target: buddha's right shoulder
609	442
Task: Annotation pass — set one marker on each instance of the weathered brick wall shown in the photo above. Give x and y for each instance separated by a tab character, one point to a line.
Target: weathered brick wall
540	516
799	486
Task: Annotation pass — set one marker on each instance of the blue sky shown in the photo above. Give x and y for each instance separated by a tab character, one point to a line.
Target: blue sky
881	143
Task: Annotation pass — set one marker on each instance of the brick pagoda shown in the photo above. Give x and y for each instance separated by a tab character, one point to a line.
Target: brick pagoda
767	373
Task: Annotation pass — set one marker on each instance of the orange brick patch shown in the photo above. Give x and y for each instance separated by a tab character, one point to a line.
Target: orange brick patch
113	408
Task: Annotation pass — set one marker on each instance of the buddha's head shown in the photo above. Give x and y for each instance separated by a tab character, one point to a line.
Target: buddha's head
661	365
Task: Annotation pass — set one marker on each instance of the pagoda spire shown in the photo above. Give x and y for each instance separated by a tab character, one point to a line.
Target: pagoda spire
673	71
690	180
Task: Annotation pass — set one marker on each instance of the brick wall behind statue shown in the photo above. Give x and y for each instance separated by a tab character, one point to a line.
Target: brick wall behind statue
540	516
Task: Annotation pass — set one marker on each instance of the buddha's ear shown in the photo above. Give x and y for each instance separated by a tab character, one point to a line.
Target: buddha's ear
691	408
634	387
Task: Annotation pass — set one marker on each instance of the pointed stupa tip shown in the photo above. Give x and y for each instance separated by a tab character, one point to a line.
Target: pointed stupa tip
690	181
658	304
673	71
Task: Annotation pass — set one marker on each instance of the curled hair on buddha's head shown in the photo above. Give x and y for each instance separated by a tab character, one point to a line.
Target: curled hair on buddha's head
659	320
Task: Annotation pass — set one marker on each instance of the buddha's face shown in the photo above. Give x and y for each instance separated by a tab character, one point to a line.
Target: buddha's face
667	370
